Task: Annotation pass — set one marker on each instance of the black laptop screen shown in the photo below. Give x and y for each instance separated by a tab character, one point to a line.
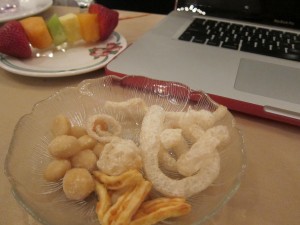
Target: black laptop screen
284	13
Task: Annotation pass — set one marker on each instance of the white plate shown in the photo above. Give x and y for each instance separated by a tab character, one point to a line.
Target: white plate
78	59
16	9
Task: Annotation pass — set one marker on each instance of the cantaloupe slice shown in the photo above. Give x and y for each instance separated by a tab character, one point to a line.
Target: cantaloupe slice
89	27
37	32
71	27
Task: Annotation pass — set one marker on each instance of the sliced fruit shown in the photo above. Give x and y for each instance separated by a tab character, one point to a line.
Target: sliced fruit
37	32
71	27
13	40
89	27
56	30
108	19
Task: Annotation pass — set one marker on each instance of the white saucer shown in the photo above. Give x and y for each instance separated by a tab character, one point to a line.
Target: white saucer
78	59
17	9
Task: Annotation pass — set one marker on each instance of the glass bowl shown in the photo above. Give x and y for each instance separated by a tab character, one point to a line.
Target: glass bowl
28	155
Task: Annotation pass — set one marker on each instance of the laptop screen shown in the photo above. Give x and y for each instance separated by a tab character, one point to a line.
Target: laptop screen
285	13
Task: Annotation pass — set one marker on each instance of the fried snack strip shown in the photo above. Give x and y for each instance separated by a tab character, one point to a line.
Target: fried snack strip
159	209
127	179
104	202
126	206
150	145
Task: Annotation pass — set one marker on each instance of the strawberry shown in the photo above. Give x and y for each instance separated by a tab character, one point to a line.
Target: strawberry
108	19
13	40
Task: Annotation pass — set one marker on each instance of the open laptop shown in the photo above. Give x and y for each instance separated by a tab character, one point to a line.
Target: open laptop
244	53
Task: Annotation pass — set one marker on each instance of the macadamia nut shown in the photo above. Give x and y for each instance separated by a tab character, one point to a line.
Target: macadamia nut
78	183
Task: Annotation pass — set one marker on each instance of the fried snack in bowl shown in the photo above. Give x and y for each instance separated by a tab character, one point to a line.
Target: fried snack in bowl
105	202
28	155
124	180
153	211
150	145
103	127
132	109
130	206
118	156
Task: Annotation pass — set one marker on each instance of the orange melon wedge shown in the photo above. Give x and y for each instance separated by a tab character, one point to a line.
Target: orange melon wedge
89	27
37	32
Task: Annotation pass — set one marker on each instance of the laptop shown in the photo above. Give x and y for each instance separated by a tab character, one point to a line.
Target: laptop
244	53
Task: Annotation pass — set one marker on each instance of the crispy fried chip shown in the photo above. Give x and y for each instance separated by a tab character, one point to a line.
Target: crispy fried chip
104	202
153	211
125	207
125	203
127	179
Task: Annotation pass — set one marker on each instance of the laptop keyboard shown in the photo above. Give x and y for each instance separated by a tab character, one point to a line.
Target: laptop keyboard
262	41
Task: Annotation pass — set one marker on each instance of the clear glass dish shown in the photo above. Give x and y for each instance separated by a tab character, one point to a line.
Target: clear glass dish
28	156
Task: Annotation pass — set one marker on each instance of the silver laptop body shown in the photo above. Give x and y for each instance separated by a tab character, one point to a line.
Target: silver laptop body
252	83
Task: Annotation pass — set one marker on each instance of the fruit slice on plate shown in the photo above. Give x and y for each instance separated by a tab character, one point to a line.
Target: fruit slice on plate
89	27
37	32
108	19
71	27
14	41
56	30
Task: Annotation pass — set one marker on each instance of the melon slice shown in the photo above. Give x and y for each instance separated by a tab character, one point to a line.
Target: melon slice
56	30
71	27
37	32
89	27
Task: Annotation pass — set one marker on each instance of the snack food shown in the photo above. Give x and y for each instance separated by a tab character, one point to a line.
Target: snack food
118	156
64	146
124	180
56	169
134	109
78	183
150	145
182	142
84	159
60	126
102	127
153	211
130	206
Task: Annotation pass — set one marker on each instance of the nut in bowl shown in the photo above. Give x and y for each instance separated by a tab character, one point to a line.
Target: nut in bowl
155	128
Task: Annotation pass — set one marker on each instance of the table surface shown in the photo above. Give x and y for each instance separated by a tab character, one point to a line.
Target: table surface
269	193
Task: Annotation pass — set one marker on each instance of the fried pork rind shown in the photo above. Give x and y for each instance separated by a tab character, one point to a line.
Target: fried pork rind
155	210
167	160
119	156
172	139
104	128
152	126
195	122
206	146
173	145
133	109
